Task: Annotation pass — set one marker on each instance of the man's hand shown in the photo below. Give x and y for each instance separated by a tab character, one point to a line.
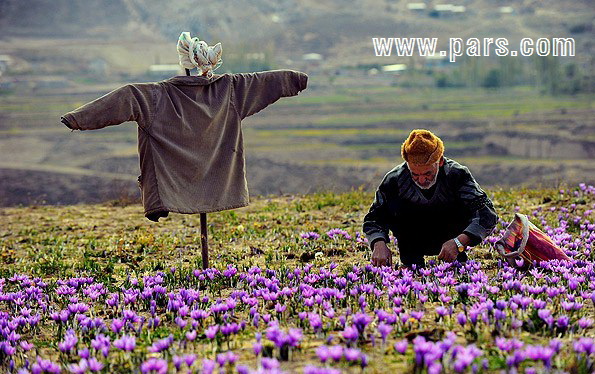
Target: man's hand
381	255
449	251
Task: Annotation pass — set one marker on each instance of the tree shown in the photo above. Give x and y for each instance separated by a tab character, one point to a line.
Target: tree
493	79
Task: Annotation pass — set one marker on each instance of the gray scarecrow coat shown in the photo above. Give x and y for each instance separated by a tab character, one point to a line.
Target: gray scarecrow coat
189	134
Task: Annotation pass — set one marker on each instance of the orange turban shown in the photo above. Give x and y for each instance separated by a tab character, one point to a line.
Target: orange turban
422	147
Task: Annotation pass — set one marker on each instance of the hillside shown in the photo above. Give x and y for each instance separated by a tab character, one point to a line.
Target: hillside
343	132
326	139
340	31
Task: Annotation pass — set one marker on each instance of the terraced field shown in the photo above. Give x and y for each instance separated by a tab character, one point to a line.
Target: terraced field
328	138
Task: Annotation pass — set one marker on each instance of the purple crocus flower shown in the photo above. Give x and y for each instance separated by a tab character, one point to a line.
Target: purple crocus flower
384	331
562	322
295	336
189	359
94	364
191	335
352	354
508	345
208	366
350	334
227	357
310	369
79	368
101	343
556	345
539	304
584	345
401	346
315	321
230	328
270	363
334	233
442	311
257	348
46	366
126	343
211	332
279	308
323	353
84	353
544	314
462	362
585	323
221	359
117	325
461	318
153	366
310	235
181	322
336	352
162	345
69	342
418	315
178	361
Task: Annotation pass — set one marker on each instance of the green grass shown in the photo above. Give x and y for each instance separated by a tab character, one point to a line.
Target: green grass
52	241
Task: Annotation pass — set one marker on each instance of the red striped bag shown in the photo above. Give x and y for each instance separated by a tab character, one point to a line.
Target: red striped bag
523	240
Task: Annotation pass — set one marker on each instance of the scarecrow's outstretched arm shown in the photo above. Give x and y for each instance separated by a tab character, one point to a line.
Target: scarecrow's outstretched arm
127	103
253	92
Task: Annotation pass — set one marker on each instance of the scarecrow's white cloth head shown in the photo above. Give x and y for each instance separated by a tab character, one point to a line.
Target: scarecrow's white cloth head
195	53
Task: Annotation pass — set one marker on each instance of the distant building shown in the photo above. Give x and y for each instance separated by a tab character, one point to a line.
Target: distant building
313	60
416	6
312	57
506	10
445	10
394	68
443	7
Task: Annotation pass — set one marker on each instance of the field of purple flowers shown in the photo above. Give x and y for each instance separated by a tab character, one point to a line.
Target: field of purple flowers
95	289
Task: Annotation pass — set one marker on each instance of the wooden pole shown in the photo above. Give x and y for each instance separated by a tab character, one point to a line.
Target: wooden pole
204	238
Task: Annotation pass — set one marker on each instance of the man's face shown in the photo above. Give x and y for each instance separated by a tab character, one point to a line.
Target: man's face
424	176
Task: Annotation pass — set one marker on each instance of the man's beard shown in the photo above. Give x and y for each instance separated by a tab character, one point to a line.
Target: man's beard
429	185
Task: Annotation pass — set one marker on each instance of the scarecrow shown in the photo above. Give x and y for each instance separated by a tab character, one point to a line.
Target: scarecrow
190	139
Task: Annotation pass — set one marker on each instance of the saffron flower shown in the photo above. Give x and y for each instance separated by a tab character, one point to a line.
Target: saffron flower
126	343
154	366
401	346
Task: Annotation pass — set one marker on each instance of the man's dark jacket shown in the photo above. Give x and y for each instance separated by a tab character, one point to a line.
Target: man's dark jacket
423	220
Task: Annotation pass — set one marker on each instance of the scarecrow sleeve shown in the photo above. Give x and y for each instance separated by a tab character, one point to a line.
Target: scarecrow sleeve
132	102
376	222
483	217
253	92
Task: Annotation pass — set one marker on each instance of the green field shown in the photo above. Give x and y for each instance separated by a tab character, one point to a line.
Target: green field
326	129
117	247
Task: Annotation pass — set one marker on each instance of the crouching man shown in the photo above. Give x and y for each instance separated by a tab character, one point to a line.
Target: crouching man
431	204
